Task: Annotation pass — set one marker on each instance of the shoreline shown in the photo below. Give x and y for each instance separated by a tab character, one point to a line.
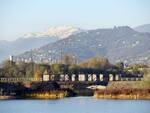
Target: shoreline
7	97
123	94
109	97
122	97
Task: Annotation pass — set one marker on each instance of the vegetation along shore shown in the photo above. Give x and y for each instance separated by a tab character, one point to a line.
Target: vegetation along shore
95	77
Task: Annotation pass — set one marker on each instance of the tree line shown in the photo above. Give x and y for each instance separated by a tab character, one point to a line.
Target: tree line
66	66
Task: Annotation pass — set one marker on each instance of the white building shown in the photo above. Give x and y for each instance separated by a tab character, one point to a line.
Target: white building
11	58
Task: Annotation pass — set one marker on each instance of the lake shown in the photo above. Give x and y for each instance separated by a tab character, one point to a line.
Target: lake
75	105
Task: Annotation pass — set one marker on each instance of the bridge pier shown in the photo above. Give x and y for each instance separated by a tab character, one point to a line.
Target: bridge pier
81	77
67	77
106	77
89	77
73	77
101	77
97	77
62	77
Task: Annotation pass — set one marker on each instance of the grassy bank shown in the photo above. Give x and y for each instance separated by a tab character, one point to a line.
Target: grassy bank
47	95
123	94
127	89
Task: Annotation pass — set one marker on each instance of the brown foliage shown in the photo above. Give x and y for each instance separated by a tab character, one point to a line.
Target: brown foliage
96	62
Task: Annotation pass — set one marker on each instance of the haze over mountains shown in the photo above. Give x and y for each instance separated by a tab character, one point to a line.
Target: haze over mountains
117	44
143	28
35	40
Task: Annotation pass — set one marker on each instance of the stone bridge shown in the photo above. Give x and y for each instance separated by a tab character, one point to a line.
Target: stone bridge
76	78
90	77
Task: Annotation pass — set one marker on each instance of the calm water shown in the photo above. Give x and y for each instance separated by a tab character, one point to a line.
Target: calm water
75	105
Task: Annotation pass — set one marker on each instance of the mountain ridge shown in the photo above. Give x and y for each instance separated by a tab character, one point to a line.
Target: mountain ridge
118	44
143	28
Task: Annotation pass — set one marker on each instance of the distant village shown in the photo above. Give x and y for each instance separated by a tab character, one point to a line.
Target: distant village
81	76
21	79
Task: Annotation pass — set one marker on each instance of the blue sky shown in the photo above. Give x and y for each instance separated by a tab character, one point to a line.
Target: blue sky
18	17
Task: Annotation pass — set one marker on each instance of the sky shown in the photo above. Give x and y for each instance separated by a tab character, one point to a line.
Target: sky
18	17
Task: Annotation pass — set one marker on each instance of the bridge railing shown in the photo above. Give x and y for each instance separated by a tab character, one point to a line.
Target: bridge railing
20	79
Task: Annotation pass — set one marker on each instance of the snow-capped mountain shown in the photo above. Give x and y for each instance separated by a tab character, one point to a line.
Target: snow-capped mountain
118	44
35	40
58	32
